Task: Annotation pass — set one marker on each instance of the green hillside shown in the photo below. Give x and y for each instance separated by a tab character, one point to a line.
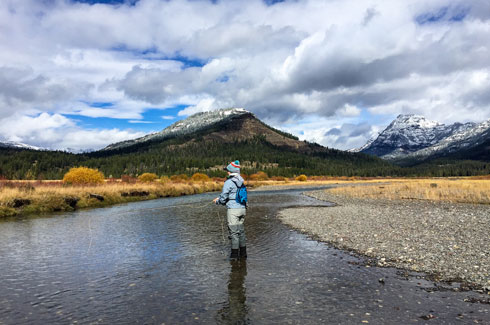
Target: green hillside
258	146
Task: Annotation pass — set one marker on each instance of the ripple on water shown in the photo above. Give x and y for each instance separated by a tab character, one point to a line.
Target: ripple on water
154	262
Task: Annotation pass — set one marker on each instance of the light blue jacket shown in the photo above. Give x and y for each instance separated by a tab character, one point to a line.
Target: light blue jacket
228	194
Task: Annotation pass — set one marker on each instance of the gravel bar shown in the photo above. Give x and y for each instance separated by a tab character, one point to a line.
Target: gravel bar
449	241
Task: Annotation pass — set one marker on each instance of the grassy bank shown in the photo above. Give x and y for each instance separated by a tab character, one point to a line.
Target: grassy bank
455	190
29	197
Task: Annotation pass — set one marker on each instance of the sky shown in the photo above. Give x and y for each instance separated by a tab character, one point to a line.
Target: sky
79	75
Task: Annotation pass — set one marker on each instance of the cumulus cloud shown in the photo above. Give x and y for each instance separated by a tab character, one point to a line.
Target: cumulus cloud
342	133
56	132
285	62
349	135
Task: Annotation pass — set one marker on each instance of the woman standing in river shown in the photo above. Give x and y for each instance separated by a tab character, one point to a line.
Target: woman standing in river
235	211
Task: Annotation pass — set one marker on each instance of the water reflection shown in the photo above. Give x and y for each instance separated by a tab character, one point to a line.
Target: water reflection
235	309
130	264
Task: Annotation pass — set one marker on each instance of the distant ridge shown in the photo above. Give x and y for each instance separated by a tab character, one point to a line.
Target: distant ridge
415	138
18	145
205	142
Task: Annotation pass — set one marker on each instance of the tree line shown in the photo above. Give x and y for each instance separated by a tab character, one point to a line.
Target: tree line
191	155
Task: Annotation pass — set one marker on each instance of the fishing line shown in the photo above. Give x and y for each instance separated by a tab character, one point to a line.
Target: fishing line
189	205
90	233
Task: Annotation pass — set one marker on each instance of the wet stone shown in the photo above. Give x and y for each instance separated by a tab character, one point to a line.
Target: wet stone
135	193
17	203
71	200
96	196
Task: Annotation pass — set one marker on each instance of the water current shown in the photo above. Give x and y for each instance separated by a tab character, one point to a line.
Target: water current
166	261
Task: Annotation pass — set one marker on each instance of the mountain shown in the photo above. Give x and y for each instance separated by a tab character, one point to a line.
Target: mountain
203	142
414	138
464	143
206	142
224	126
191	124
19	145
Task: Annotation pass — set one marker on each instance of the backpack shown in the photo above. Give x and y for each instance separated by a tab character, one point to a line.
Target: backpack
241	194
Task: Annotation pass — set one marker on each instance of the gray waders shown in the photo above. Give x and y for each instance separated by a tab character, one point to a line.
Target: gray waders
236	230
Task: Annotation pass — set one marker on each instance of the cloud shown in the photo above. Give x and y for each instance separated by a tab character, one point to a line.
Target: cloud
141	122
57	132
335	60
349	136
22	89
342	133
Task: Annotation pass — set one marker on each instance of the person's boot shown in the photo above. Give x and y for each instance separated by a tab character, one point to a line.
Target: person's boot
243	252
234	254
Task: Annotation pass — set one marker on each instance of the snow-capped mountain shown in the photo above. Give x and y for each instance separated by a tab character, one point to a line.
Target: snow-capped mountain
13	144
463	139
415	137
189	125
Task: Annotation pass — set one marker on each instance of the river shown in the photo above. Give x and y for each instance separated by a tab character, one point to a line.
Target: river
166	261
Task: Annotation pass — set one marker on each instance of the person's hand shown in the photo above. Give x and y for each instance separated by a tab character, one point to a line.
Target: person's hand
215	200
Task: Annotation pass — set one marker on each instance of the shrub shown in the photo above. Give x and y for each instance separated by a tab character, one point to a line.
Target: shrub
147	177
259	176
179	178
198	177
83	176
301	178
164	179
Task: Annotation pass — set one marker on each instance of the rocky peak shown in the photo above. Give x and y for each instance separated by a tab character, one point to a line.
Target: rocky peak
404	121
409	133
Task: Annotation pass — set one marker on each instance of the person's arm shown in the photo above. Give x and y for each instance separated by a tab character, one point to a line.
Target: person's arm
225	193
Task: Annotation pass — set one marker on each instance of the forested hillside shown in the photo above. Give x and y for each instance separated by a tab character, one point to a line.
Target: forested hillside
172	157
177	156
258	146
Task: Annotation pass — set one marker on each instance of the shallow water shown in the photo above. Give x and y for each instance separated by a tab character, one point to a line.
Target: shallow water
166	261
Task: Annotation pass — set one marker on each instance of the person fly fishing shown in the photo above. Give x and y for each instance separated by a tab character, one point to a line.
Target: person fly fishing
234	196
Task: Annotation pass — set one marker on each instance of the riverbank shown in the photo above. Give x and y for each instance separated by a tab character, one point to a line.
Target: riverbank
448	241
33	197
55	197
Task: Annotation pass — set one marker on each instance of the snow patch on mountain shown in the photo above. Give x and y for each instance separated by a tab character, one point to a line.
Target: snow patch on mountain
18	145
461	139
189	125
410	133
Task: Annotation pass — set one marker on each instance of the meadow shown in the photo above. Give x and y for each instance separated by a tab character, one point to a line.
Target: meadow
474	190
31	197
20	197
23	197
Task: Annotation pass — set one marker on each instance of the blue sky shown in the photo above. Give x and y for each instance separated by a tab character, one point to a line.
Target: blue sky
152	120
84	74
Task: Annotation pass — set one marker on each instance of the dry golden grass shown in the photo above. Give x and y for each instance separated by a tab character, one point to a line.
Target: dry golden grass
54	196
49	196
461	190
57	197
315	181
